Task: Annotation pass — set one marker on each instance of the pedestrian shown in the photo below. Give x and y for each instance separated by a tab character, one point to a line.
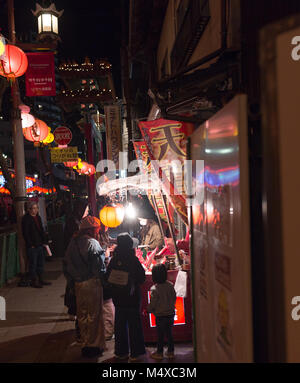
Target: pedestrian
162	305
35	237
80	211
84	262
108	306
73	220
125	274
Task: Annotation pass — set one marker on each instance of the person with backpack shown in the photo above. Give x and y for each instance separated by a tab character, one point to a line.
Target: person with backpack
84	263
162	305
80	211
125	275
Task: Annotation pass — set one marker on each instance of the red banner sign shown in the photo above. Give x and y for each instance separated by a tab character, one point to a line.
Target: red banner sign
62	135
40	75
141	153
166	143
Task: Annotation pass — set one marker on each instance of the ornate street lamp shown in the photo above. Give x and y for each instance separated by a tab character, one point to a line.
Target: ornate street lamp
47	21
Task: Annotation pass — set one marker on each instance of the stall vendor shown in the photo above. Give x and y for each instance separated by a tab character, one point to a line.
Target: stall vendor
150	235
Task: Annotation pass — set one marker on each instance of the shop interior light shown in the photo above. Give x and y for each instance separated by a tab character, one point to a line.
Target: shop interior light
130	211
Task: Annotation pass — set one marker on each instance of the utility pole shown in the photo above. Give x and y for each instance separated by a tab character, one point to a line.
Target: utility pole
18	145
126	80
91	178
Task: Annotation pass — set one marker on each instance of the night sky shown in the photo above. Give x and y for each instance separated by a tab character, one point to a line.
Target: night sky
87	28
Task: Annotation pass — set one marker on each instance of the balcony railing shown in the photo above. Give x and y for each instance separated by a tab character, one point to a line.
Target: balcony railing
192	27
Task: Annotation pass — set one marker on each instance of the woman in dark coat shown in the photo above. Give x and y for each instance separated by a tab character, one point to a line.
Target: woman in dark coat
127	299
80	211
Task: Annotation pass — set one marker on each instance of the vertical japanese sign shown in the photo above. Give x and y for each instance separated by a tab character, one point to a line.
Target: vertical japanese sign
141	153
40	75
113	133
166	143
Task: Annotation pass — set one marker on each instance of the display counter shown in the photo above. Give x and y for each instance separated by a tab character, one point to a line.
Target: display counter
182	330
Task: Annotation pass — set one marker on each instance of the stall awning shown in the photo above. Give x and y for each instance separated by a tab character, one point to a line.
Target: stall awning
135	182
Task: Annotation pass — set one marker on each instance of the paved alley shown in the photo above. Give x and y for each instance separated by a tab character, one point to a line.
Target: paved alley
38	330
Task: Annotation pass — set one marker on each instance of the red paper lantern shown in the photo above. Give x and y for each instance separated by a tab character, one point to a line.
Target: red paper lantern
24	108
15	63
92	170
36	133
84	169
27	120
71	164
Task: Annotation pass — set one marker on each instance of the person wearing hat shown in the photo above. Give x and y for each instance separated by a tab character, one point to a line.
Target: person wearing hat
84	262
150	234
125	274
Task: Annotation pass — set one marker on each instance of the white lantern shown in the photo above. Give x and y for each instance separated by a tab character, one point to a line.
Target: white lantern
47	20
27	120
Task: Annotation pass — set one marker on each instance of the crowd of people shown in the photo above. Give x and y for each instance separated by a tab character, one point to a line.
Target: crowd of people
103	284
103	290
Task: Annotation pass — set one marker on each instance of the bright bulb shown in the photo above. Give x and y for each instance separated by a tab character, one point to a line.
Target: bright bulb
130	211
2	47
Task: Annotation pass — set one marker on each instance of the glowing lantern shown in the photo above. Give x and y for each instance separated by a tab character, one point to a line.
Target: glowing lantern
84	168
36	133
27	120
24	108
112	216
2	45
92	170
71	164
15	63
49	139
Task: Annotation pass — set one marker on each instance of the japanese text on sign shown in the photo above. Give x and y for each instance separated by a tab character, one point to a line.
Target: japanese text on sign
63	155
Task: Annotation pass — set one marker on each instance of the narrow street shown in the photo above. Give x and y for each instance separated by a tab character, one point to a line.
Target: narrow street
38	330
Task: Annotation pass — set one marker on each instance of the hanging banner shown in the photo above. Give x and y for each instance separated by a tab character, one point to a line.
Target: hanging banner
40	75
113	133
141	153
166	145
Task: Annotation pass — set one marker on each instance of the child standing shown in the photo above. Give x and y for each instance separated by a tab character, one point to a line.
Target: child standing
162	305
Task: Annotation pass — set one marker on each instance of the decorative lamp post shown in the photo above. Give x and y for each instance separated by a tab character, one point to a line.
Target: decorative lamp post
47	21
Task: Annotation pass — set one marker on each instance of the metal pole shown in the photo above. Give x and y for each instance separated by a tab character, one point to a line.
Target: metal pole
91	178
158	215
171	228
18	147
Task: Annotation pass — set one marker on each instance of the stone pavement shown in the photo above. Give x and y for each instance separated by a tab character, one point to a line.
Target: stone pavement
38	330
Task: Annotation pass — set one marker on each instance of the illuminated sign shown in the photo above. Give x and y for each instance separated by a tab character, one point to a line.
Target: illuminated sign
64	155
29	182
179	318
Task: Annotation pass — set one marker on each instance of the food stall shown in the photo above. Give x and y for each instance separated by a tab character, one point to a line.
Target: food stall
175	255
182	330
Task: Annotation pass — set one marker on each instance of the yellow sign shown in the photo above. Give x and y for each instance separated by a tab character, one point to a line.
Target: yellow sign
64	155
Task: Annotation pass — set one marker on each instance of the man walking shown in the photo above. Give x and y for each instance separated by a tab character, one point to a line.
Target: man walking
35	237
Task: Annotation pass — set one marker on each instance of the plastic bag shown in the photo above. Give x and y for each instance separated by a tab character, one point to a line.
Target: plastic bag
181	284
